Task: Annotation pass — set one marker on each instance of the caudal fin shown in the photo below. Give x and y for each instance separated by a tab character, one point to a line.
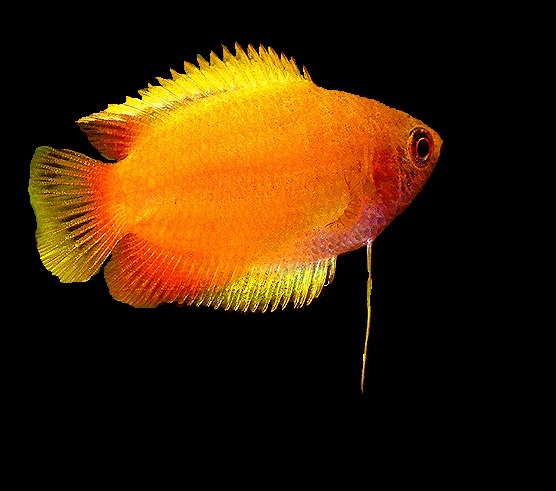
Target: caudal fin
76	225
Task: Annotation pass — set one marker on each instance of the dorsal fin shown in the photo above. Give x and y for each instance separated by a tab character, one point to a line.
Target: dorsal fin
113	130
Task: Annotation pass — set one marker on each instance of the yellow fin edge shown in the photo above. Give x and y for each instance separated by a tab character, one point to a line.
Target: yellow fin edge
248	68
274	286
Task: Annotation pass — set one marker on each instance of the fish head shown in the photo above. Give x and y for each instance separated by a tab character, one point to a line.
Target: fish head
403	160
418	155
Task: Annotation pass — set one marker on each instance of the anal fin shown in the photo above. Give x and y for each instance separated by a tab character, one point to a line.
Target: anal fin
144	275
269	287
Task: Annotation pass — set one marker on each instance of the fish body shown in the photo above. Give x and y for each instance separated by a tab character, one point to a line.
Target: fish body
235	185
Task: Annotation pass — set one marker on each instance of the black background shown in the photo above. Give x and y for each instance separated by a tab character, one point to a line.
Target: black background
77	345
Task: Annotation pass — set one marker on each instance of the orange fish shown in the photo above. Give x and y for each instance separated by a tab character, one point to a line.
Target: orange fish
236	185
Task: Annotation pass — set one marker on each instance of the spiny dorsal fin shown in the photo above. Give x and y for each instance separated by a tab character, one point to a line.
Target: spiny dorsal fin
113	130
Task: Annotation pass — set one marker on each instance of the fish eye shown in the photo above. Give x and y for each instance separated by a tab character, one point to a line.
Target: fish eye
421	146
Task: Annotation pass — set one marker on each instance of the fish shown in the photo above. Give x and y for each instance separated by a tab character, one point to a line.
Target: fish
235	184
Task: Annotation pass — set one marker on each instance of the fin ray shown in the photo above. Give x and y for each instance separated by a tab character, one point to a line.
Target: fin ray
75	231
144	275
113	130
277	285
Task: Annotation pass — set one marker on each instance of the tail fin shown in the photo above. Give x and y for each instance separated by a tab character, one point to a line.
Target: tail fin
76	229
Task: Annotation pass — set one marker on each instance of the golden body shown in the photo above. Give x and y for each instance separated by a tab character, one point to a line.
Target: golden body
236	184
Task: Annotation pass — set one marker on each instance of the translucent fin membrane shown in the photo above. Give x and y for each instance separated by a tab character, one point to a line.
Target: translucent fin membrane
271	287
112	130
145	275
75	232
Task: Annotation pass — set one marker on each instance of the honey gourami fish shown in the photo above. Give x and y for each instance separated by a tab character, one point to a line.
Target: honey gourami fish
236	185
